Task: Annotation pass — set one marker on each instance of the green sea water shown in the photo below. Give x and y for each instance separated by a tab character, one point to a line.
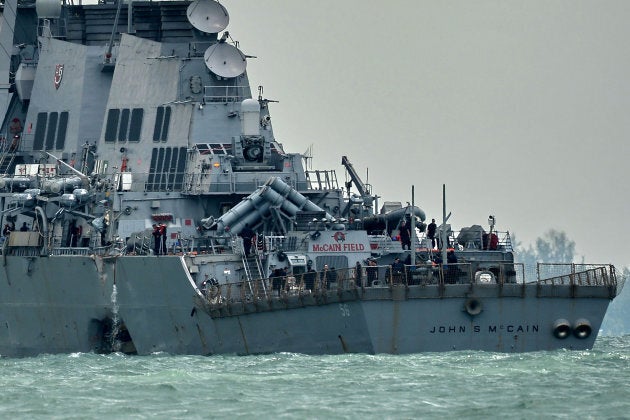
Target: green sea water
559	384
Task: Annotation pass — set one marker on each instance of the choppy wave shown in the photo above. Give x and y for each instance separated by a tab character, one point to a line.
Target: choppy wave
559	384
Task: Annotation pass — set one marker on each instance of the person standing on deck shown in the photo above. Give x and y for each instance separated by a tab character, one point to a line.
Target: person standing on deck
156	239
372	272
309	279
247	234
163	237
431	229
405	235
358	274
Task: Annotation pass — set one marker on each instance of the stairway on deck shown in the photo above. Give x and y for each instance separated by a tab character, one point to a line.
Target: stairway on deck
252	267
6	159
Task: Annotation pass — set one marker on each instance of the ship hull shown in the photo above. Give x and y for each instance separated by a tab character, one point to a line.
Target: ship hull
138	171
52	305
379	324
155	301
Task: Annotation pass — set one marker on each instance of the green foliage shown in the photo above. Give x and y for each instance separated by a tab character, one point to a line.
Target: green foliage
553	247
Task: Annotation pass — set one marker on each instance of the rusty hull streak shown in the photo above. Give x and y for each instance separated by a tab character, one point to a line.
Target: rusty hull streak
395	322
202	338
243	335
344	345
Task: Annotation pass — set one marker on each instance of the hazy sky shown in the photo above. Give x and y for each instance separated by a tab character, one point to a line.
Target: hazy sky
518	107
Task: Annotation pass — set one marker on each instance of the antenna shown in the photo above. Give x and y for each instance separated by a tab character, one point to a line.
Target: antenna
225	60
308	157
208	16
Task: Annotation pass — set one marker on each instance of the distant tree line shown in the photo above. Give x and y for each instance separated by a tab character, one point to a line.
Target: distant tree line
556	247
553	247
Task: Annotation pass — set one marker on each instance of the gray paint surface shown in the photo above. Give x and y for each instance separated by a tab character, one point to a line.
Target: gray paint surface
205	179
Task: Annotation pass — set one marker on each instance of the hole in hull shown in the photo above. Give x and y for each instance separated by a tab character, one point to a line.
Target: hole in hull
112	337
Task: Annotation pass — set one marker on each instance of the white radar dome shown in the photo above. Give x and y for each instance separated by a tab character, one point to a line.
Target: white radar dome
48	8
250	114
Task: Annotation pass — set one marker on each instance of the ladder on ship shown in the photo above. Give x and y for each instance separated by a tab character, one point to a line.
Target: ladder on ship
253	270
10	139
6	160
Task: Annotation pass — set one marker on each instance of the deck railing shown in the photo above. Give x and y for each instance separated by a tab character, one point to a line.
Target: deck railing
578	275
337	282
226	93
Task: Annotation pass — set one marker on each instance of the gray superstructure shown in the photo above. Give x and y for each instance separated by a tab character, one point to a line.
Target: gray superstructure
117	118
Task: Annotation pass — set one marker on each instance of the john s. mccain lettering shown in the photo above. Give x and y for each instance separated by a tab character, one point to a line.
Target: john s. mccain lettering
448	329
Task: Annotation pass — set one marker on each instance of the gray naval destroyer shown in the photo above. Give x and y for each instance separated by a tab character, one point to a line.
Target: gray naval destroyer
147	206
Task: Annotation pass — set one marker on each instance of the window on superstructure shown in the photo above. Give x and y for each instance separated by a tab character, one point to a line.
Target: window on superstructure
62	128
159	120
166	169
123	128
162	123
40	131
167	123
124	125
51	130
135	128
112	125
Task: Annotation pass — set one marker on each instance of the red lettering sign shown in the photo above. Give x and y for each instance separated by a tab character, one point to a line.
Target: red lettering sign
340	247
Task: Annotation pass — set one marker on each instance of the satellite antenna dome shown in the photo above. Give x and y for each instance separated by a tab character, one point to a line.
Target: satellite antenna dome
225	60
208	16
